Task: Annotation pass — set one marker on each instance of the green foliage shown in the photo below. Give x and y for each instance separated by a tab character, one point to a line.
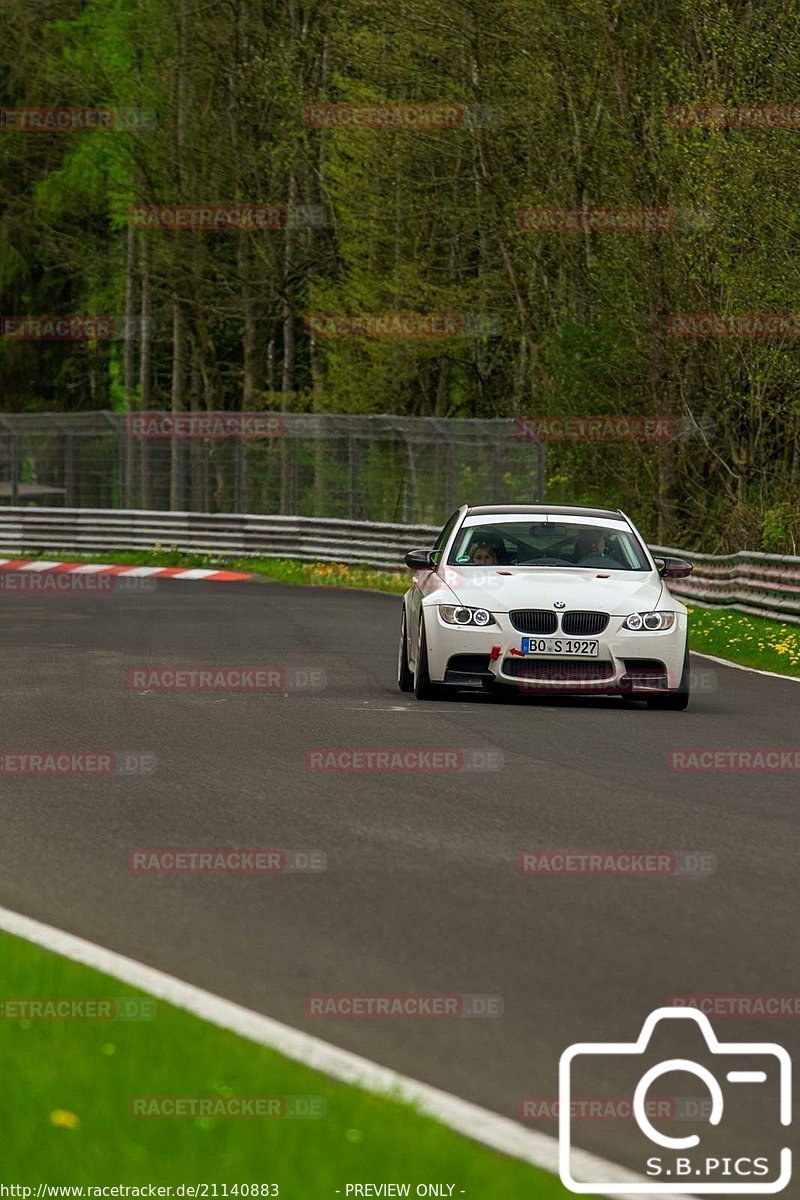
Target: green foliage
573	102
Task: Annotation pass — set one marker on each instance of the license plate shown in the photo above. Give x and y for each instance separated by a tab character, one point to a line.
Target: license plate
577	646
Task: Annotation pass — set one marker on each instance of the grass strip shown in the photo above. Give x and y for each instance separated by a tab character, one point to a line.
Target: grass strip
66	1117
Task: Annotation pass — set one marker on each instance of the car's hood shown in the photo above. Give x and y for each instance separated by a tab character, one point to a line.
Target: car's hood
585	588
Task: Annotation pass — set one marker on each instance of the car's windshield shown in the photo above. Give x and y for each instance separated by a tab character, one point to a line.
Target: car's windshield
548	544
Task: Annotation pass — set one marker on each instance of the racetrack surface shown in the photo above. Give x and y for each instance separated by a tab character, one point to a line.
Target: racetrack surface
422	893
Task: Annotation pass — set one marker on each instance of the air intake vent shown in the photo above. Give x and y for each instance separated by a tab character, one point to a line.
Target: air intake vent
584	623
557	670
534	620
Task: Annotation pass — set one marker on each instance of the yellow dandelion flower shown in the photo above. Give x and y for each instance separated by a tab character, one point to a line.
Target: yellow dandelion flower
63	1119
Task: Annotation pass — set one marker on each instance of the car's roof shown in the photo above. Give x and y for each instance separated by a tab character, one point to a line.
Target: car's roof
552	510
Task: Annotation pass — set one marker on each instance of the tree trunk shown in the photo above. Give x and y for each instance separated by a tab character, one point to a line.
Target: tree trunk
287	382
176	499
144	363
129	364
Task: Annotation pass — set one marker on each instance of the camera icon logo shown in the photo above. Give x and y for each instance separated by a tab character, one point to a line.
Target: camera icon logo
682	1166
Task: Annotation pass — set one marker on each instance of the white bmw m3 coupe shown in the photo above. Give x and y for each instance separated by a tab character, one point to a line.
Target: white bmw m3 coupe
544	599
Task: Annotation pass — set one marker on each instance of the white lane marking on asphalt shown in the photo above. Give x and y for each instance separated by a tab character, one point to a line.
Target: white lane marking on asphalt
142	571
726	662
89	569
480	1124
40	566
196	573
396	708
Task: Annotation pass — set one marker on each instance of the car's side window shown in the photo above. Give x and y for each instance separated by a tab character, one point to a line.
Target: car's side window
444	536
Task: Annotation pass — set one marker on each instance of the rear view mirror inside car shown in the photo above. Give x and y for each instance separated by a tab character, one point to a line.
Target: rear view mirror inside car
547	529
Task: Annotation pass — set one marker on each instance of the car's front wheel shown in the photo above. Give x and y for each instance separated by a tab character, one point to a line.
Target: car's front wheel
405	676
423	688
678	699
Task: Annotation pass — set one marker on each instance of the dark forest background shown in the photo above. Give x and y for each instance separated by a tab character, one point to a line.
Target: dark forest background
573	97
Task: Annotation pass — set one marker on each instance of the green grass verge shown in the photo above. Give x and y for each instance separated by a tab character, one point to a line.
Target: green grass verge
752	641
64	1106
725	633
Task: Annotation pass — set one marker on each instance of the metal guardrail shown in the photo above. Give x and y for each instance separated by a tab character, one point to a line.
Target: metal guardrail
762	584
92	530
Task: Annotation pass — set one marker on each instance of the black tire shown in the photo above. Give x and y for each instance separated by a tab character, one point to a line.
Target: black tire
677	700
423	688
405	676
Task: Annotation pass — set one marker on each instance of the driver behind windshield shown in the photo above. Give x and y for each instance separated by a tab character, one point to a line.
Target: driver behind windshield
590	549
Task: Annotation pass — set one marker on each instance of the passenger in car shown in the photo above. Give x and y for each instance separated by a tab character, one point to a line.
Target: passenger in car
483	555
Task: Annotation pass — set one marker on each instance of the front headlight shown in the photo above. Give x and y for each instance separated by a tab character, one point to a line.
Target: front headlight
649	621
456	615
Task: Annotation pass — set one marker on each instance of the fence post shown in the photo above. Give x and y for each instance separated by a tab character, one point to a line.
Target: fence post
352	461
14	469
240	470
69	470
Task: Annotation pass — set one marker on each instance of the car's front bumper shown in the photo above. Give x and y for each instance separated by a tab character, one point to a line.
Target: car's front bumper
476	657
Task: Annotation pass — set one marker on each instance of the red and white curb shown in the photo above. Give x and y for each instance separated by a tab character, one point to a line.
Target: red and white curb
73	568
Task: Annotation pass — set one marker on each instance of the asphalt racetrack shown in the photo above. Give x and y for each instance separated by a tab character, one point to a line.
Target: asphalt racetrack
423	893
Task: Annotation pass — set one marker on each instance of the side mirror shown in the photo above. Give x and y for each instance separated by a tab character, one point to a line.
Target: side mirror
420	560
673	568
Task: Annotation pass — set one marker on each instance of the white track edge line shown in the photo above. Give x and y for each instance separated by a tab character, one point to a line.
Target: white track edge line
726	662
470	1120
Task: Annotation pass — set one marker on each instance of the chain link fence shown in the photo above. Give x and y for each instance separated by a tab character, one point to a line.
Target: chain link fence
356	467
